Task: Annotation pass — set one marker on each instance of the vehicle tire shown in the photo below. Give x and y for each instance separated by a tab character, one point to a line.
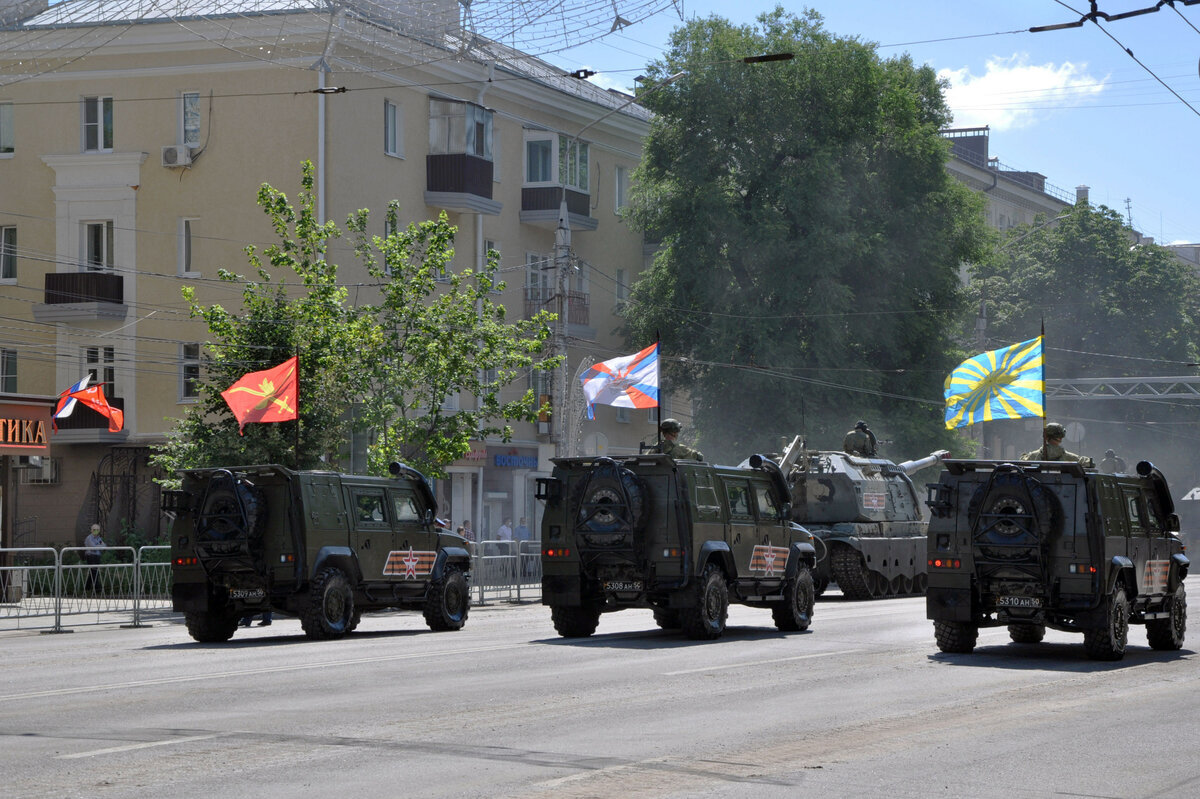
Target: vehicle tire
1027	633
1108	643
667	618
330	605
1024	513
354	621
850	573
1168	633
208	627
705	619
820	583
796	611
611	500
448	601
575	621
956	637
232	510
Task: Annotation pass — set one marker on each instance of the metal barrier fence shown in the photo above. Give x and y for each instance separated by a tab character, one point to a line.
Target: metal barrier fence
46	589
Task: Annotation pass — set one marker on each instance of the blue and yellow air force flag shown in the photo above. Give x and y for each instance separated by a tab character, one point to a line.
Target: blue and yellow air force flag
1001	384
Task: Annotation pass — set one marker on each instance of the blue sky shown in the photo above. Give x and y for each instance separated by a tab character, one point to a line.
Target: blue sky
1070	104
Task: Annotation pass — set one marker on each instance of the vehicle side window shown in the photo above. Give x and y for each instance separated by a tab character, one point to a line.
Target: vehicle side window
1153	517
767	508
739	499
708	507
369	507
1133	508
405	508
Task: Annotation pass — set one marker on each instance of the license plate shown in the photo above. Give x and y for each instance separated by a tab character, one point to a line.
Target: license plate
1019	602
246	593
623	585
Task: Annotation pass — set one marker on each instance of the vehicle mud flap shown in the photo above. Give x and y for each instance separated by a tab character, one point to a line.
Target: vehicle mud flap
948	604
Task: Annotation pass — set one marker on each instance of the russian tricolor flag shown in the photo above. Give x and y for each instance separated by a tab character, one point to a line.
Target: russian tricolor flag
630	381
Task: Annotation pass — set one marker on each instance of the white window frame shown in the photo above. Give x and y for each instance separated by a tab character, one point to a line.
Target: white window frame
495	154
569	164
393	129
539	280
458	127
102	258
8	371
545	142
8	253
621	288
8	143
620	189
189	371
97	134
101	362
185	252
188	132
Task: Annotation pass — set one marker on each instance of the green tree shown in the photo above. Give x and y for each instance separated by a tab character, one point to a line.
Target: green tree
809	231
433	342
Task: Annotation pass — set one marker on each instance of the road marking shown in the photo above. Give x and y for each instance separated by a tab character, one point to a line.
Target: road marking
132	747
752	663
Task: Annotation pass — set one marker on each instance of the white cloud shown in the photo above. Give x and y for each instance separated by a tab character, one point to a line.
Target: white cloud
1012	93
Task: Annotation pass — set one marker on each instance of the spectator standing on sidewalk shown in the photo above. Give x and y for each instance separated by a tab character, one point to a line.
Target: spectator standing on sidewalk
91	555
505	533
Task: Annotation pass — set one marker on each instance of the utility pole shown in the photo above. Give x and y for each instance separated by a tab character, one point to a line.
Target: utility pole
562	266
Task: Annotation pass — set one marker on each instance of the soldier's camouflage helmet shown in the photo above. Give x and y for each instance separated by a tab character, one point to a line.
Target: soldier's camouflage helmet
1055	430
860	425
1108	453
671	426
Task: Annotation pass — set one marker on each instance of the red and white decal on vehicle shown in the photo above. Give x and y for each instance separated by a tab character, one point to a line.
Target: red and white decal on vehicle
1154	578
410	565
768	559
874	501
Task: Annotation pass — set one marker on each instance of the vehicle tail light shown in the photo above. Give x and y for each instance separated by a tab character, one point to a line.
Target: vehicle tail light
1082	568
560	552
287	557
945	563
672	553
188	560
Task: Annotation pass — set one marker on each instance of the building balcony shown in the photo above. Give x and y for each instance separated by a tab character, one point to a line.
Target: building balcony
86	426
540	206
460	182
82	296
539	298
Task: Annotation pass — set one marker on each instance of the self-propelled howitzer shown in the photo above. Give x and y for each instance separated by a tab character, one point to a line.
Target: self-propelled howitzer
867	516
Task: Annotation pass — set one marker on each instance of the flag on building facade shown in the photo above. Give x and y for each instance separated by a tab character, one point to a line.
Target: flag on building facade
66	403
1007	383
93	397
266	396
630	381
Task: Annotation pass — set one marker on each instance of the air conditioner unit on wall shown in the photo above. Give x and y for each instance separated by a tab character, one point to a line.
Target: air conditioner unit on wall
176	155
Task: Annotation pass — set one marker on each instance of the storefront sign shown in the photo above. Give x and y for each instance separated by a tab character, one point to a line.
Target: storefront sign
24	429
515	461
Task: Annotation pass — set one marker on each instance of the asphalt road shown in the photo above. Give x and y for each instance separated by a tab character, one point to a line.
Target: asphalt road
861	705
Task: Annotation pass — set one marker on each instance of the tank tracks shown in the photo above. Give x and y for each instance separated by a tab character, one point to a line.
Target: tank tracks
857	581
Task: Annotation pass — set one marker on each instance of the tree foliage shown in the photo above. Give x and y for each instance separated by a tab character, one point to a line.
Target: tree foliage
810	235
395	366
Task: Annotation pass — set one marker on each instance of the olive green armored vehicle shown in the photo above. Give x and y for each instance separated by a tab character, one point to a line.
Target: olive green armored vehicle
682	538
866	516
322	546
1053	544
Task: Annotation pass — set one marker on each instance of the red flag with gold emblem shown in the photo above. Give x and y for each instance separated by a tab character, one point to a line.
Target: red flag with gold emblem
266	396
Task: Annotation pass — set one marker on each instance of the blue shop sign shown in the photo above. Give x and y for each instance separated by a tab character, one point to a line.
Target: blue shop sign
516	461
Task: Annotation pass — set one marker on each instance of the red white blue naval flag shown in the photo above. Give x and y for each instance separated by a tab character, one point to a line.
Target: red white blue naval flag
630	381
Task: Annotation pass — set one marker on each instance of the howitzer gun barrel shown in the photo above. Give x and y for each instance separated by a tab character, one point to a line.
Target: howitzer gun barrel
912	467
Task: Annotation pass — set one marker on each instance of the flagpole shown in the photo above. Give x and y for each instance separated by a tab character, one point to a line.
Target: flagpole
1045	409
658	349
297	407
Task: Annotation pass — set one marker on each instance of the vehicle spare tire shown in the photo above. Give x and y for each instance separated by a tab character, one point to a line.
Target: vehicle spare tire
233	509
611	499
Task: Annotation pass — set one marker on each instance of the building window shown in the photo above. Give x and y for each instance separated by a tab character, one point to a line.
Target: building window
652	415
573	163
6	129
185	265
621	289
48	472
98	246
8	371
97	124
538	164
393	137
459	127
623	415
8	253
620	188
189	371
100	362
569	169
189	119
495	155
539	282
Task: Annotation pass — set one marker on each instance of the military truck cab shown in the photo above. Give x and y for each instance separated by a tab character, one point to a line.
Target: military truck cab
1033	545
323	546
683	538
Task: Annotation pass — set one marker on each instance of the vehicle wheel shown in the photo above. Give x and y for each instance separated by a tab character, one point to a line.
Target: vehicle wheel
1108	643
850	573
330	605
796	611
210	628
705	620
1027	633
1168	633
667	618
354	621
820	583
956	637
448	601
571	621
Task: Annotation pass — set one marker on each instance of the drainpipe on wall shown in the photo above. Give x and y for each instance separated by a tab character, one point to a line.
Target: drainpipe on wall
320	145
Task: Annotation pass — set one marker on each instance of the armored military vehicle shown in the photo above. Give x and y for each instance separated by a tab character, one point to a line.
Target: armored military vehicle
683	538
323	546
1033	545
866	516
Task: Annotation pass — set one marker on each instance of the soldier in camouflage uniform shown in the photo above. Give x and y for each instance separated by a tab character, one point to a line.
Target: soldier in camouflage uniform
669	446
1052	448
860	441
1112	463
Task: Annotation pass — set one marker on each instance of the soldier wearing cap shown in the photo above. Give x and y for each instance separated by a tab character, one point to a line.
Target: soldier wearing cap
860	441
1052	448
669	446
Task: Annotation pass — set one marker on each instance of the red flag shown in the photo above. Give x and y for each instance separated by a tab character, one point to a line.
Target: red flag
93	397
266	396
